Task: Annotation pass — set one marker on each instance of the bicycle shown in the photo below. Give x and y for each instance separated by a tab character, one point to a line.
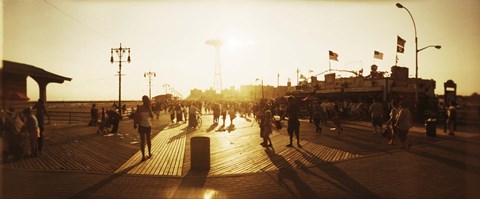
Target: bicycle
198	121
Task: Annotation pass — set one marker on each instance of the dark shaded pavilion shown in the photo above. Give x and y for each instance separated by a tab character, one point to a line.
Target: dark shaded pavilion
13	82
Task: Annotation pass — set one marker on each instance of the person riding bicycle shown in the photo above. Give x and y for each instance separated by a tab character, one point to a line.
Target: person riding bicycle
192	116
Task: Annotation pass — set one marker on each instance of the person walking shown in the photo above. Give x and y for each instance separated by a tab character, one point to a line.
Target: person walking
337	117
216	113
185	113
451	118
403	124
293	122
93	116
33	132
232	114
179	113
317	116
376	111
267	129
392	121
41	109
224	113
142	120
324	107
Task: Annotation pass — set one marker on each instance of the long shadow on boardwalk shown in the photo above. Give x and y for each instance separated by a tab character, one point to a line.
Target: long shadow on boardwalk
454	163
192	185
96	187
356	189
285	172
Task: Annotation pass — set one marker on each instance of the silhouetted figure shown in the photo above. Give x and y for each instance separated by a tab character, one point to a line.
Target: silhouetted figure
124	108
93	115
33	132
216	113
11	135
232	114
317	116
293	122
171	111
40	110
192	117
114	118
224	114
179	113
337	117
103	126
376	111
451	118
403	124
142	120
392	121
267	128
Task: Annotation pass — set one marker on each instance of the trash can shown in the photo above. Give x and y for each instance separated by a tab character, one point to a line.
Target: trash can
431	127
200	153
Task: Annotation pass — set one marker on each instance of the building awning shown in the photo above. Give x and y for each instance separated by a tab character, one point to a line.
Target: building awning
10	67
15	96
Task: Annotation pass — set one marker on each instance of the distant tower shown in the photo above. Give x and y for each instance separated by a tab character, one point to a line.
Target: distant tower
217	83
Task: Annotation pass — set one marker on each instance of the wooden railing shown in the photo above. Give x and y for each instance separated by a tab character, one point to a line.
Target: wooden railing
75	116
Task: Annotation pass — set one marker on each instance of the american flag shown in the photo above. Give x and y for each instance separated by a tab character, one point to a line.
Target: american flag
377	55
400	44
332	55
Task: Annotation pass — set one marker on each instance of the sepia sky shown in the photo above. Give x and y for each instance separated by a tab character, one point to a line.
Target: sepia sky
261	39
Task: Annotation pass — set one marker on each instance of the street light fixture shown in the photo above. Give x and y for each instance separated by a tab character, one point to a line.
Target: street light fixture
436	46
149	74
120	52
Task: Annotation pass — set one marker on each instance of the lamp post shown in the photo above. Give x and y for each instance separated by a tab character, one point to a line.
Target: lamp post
120	52
149	74
416	50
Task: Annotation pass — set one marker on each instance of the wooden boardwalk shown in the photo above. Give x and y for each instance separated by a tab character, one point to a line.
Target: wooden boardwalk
239	151
87	152
168	149
232	152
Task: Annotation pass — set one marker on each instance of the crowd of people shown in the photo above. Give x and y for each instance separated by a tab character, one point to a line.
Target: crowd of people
22	131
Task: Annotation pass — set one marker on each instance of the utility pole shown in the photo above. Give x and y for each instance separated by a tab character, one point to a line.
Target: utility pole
149	74
120	52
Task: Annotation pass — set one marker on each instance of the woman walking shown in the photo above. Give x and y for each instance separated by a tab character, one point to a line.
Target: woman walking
142	120
392	121
403	124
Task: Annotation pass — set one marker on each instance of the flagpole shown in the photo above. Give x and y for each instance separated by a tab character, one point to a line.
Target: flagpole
396	59
278	79
298	71
329	66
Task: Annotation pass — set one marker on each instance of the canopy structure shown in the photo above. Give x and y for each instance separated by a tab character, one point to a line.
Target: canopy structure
13	77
